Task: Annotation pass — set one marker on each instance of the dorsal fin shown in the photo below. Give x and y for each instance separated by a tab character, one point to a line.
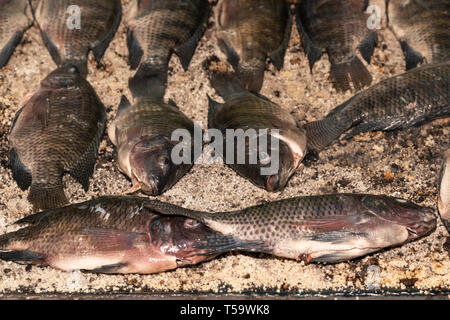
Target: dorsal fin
172	103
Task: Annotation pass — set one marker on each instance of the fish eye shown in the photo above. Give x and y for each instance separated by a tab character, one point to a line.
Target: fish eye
264	158
163	161
190	223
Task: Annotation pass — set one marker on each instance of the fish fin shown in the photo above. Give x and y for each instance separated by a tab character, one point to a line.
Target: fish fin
22	256
334	237
134	49
232	56
213	107
277	57
367	46
412	57
43	197
186	51
330	224
312	52
99	49
148	82
226	83
35	218
259	95
52	49
20	173
354	71
109	268
123	105
172	103
7	51
218	243
107	239
337	256
251	78
368	126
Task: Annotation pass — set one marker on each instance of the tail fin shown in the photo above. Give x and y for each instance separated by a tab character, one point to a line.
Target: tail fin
45	197
322	133
251	78
149	82
353	71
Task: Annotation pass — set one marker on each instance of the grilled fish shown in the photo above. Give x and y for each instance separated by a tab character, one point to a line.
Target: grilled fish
338	27
444	191
422	28
142	134
325	228
15	18
249	111
70	29
405	100
156	29
114	235
251	30
58	129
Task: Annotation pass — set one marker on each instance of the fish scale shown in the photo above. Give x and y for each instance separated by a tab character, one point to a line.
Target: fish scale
57	130
15	18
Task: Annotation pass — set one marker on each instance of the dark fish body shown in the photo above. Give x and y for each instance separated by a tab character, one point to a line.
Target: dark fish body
444	191
142	134
112	235
246	111
156	29
58	129
70	43
339	28
15	18
405	100
249	31
423	29
325	228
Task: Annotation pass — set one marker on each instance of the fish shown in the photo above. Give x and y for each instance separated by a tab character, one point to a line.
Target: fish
250	31
114	235
444	191
338	27
405	100
142	133
70	29
323	228
422	28
251	111
155	30
15	19
57	130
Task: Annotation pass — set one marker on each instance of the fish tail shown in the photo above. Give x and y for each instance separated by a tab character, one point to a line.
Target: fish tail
353	71
149	82
322	133
47	197
251	78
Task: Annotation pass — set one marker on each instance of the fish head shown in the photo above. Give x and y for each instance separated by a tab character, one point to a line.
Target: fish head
62	77
151	164
284	169
181	237
416	219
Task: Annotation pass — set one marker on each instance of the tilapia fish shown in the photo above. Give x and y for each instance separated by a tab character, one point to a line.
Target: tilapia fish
142	133
114	235
156	29
71	28
422	28
326	228
58	129
338	27
15	18
248	32
405	100
444	191
247	111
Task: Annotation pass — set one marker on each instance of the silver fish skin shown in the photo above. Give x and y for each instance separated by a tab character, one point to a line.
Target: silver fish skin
15	18
142	133
324	228
113	235
422	28
444	191
405	100
67	41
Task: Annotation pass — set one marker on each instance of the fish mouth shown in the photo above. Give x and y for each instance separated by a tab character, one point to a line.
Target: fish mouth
147	184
